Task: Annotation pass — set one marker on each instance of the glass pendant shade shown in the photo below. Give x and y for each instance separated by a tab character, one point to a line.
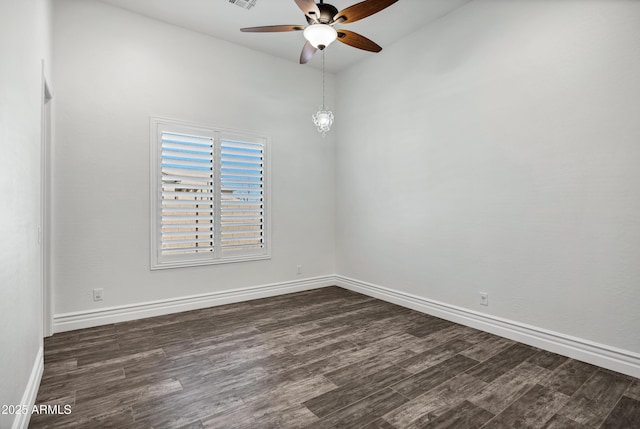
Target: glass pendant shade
323	119
320	35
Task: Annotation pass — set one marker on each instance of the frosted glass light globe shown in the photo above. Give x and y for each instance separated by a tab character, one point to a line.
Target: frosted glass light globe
320	35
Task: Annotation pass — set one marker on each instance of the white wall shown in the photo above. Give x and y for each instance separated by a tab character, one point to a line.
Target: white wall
114	69
496	150
24	38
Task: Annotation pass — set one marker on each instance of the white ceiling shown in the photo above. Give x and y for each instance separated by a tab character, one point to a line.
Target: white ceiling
223	20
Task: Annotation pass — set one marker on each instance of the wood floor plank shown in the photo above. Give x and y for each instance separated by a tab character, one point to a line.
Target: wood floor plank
83	378
81	351
52	369
379	424
474	336
292	391
329	316
569	376
307	345
561	422
293	416
269	410
333	400
509	387
634	390
57	397
434	356
487	349
177	411
362	412
465	415
323	358
597	397
75	345
154	341
353	356
429	326
626	414
532	410
427	379
186	370
105	358
428	406
435	339
388	325
237	418
160	363
357	318
326	351
367	367
115	395
547	359
502	362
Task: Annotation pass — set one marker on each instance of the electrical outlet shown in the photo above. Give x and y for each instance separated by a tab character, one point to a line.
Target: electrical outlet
97	294
484	298
299	269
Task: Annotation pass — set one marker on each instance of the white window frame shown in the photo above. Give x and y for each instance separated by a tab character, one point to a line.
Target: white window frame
218	255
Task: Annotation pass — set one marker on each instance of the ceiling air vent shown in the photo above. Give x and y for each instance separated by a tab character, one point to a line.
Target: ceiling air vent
246	4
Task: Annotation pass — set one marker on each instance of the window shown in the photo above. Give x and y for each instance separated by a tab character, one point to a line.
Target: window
208	195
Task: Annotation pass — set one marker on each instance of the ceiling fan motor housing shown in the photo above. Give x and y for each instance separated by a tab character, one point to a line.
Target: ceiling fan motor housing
327	12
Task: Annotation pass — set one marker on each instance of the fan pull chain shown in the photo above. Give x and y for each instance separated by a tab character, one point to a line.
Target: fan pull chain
323	105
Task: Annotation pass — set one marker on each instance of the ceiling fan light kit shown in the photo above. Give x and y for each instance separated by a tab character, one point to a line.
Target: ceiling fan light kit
320	33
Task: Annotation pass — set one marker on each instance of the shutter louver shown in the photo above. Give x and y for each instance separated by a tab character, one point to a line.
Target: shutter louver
242	195
187	195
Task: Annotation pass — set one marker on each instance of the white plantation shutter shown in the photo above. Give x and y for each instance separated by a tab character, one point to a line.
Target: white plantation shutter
187	194
208	195
242	195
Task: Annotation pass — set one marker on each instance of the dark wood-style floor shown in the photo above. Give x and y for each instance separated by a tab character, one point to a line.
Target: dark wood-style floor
325	358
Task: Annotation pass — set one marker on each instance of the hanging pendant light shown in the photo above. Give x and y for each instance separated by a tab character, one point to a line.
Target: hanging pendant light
323	118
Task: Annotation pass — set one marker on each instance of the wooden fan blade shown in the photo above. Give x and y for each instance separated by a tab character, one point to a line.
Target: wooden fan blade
307	53
361	10
272	28
358	41
310	8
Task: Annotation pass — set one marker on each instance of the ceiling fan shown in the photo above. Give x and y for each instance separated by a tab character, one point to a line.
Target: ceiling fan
322	17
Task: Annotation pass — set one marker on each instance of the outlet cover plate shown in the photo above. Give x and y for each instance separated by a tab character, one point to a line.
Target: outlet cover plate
484	298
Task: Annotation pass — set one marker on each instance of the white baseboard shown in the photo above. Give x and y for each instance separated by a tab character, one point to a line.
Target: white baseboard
105	316
21	421
601	355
